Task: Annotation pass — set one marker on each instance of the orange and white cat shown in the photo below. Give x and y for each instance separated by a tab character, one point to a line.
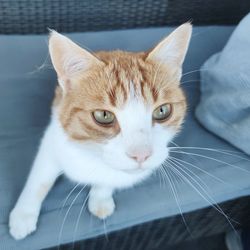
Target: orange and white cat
113	115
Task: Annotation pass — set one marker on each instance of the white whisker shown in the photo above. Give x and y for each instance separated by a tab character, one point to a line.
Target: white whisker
223	151
105	229
160	176
78	218
190	81
65	217
66	199
175	194
207	197
192	173
194	71
202	170
211	158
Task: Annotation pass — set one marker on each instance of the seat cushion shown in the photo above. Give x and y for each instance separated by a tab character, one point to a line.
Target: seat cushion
26	92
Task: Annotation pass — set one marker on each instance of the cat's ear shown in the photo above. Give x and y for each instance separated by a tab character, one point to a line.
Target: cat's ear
68	58
172	49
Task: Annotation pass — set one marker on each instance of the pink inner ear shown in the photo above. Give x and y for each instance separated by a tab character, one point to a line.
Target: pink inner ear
73	64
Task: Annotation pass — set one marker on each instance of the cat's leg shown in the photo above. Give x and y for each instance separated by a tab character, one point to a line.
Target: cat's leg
101	203
24	216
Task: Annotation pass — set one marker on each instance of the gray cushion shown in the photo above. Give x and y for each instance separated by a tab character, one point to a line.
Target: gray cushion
25	96
225	90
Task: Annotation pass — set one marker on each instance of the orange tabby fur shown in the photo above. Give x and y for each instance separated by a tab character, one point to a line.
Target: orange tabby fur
107	86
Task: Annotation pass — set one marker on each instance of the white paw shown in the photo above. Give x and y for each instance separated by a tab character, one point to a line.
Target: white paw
102	208
22	223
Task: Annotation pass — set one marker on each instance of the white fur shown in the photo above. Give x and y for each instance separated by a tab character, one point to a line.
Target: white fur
104	166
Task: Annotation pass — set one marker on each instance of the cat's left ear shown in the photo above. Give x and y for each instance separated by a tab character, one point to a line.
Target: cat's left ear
172	49
69	59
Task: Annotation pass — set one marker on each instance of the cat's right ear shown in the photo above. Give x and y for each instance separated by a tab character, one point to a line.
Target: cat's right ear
69	59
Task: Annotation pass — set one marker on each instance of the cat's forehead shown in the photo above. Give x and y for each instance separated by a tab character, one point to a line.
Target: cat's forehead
126	76
125	67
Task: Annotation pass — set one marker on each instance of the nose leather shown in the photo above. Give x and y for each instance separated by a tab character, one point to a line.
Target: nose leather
141	154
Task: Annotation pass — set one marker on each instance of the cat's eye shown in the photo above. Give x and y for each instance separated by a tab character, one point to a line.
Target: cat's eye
162	112
104	117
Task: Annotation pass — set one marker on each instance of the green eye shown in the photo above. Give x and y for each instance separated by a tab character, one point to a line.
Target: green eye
162	113
104	117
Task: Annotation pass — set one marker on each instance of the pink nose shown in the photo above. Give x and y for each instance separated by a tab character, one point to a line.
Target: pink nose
140	155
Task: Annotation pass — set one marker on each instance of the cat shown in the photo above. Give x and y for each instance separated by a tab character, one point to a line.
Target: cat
113	115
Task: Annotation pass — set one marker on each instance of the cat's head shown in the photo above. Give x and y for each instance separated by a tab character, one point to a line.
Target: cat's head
130	105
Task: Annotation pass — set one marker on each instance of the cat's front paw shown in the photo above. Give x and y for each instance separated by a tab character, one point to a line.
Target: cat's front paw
22	223
102	208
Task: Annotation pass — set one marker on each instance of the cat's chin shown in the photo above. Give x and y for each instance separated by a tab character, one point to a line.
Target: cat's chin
135	171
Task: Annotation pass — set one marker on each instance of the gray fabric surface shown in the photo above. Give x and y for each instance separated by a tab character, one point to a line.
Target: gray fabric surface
25	97
225	90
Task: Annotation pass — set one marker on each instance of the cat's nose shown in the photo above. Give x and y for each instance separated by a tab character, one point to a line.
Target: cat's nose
140	155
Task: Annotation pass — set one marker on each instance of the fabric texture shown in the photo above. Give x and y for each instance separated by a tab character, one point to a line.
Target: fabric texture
224	108
170	233
34	17
26	92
